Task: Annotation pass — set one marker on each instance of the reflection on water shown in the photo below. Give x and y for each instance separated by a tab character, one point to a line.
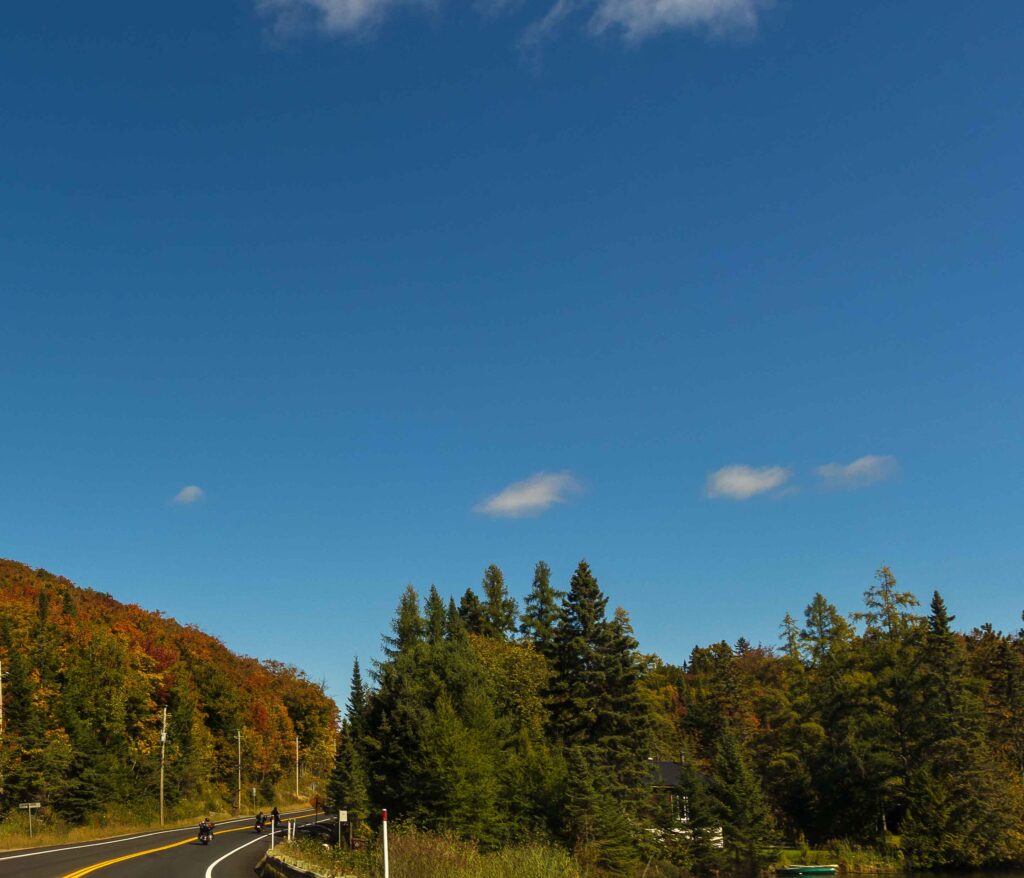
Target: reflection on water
974	873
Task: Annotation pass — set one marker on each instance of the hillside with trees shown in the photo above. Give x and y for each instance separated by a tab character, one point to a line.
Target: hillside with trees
85	682
888	730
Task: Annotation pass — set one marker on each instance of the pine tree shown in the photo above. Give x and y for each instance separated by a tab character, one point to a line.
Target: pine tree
499	609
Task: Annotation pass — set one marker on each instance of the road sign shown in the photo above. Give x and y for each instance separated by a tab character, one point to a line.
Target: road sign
28	806
343	816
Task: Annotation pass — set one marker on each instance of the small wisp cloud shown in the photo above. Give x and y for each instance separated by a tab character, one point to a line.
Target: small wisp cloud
859	473
531	496
741	482
188	495
636	20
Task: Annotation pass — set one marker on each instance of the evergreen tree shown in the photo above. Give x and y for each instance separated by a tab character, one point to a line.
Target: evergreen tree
578	684
407	627
438	740
963	806
703	852
347	785
436	618
499	609
791	637
472	612
597	710
541	612
598	828
455	628
740	806
356	708
624	725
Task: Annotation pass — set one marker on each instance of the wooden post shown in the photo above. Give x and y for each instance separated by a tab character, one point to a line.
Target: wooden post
163	745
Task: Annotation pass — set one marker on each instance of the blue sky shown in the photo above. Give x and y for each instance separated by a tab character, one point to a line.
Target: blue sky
723	295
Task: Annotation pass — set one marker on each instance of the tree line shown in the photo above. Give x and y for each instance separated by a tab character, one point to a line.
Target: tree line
887	729
85	681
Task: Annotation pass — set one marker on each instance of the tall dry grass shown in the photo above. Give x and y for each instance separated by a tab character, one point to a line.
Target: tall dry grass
415	854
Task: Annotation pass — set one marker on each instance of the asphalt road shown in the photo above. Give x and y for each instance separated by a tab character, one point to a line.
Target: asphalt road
170	853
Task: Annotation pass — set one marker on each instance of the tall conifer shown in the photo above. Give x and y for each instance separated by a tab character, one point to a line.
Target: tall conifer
499	609
541	612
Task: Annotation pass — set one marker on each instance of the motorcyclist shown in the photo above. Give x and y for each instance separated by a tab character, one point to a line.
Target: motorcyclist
261	820
206	827
275	817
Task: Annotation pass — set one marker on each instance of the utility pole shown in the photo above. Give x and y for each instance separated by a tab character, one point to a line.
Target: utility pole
163	745
239	733
1	718
296	766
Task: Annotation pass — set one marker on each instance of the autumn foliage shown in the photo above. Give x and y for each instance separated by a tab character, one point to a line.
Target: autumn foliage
85	682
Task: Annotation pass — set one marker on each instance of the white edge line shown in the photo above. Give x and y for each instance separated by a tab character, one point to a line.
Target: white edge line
123	838
209	870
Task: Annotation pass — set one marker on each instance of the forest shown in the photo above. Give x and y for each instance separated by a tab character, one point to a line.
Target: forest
85	681
888	731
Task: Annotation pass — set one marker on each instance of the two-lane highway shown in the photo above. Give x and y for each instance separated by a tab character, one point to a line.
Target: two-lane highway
168	853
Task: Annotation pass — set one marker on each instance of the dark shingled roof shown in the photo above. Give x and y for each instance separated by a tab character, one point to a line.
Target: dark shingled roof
665	774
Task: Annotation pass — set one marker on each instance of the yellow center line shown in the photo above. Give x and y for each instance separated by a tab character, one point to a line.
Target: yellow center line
97	866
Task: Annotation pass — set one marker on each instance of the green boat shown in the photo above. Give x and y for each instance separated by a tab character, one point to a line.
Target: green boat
824	869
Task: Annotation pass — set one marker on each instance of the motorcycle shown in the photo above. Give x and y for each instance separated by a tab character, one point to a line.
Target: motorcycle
261	822
205	834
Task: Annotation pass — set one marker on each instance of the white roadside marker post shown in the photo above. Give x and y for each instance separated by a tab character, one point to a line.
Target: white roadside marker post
384	819
273	829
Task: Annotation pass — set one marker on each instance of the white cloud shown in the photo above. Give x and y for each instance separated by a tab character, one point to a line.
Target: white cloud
740	482
531	496
859	473
332	16
635	19
189	494
644	18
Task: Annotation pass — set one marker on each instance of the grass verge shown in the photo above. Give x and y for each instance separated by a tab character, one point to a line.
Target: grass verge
415	854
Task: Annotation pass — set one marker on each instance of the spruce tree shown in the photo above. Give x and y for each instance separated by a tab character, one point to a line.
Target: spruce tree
499	609
541	612
599	829
597	711
962	807
472	612
436	621
454	627
740	806
347	786
356	707
407	626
